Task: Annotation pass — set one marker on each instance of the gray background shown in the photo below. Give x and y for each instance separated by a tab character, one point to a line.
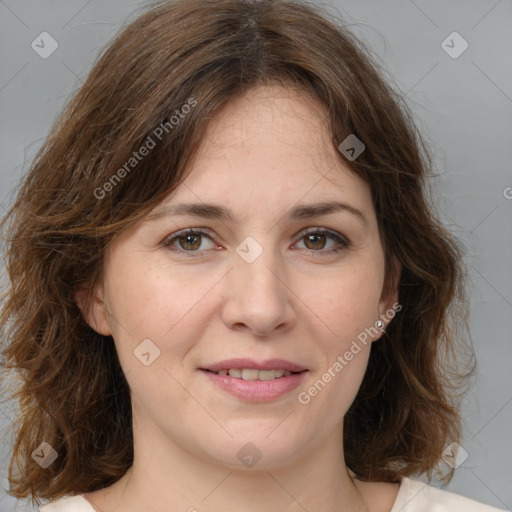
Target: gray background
463	106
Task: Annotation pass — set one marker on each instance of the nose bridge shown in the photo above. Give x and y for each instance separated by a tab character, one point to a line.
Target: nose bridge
258	276
258	297
256	267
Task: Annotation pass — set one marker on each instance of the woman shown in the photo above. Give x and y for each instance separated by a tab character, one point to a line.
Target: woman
227	286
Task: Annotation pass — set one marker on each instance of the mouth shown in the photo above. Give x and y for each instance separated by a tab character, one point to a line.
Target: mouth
253	381
254	373
249	369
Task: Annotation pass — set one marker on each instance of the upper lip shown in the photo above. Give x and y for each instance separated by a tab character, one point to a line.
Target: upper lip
268	364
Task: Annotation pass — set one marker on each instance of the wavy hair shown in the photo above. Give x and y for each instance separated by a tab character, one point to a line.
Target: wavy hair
69	385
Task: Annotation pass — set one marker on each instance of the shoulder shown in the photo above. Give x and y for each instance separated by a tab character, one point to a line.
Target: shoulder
71	504
414	496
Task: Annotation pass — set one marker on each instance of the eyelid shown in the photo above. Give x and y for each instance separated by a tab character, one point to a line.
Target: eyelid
326	231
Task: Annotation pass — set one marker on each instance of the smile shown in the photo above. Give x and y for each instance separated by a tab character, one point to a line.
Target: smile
254	374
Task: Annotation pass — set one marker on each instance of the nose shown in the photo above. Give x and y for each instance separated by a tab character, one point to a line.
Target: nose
258	298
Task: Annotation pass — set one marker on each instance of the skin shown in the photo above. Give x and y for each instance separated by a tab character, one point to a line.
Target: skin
264	153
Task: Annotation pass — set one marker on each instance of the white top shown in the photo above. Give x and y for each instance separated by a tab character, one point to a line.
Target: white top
413	496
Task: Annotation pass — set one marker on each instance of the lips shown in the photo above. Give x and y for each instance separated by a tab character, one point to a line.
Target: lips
255	381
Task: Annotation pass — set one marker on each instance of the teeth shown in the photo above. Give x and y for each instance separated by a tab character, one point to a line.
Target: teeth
266	374
250	374
254	374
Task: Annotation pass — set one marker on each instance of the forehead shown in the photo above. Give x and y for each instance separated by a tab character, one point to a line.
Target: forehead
266	119
271	143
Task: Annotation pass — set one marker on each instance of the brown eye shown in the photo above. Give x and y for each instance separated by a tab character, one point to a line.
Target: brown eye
323	241
189	242
315	242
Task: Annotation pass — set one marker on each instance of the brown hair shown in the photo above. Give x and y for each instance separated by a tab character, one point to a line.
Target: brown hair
73	393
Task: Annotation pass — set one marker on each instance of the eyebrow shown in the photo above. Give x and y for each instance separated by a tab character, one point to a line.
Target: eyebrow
213	211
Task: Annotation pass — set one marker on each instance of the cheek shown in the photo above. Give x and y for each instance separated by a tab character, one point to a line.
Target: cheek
348	308
151	299
155	296
348	301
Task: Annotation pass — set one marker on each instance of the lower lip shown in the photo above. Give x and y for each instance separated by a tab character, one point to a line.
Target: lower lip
256	390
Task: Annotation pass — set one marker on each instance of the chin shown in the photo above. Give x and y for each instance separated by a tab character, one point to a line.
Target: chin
257	450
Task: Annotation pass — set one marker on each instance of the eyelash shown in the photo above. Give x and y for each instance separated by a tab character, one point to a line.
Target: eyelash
343	242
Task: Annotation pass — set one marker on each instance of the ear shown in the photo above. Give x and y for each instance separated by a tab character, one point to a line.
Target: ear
93	308
388	304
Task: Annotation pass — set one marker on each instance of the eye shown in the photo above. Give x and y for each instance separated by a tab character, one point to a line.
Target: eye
317	239
189	240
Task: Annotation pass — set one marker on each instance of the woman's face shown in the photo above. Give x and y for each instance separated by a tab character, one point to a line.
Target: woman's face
269	276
